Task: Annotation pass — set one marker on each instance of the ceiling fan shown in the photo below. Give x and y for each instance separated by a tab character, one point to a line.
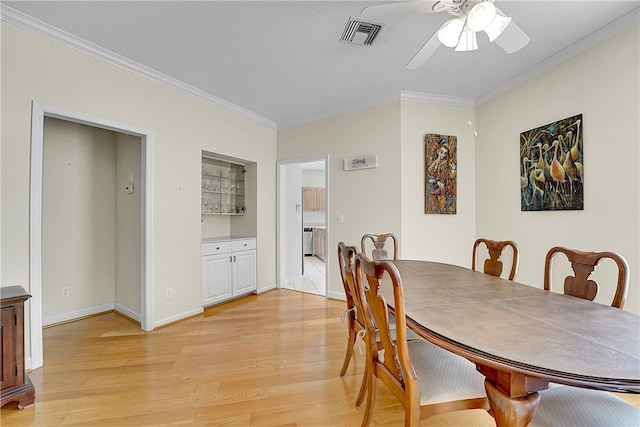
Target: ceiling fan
468	18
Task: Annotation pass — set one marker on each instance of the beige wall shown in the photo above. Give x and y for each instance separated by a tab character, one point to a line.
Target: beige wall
443	238
78	222
371	131
603	85
90	226
36	68
488	190
390	198
128	225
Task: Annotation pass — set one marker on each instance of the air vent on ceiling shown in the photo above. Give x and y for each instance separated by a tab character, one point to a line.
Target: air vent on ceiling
360	32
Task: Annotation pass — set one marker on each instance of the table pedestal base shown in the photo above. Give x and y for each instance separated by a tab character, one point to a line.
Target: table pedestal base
511	411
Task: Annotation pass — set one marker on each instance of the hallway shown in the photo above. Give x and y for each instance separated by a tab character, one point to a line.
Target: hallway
314	281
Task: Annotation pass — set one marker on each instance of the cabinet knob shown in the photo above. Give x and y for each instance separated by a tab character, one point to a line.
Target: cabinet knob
218	248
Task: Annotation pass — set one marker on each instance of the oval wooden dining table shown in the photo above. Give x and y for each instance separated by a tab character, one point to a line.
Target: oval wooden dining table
520	337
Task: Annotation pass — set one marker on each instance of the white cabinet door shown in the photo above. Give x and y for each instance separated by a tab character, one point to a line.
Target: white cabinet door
216	278
244	272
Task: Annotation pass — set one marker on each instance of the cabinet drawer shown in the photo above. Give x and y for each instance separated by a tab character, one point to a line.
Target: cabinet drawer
241	245
213	248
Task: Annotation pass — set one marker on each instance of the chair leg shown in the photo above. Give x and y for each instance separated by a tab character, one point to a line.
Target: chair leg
411	415
363	387
371	397
351	341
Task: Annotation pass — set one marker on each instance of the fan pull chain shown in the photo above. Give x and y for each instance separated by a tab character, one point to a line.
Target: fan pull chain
471	87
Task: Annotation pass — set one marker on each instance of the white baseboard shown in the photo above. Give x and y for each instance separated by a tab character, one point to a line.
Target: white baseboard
88	311
128	312
266	288
336	295
177	317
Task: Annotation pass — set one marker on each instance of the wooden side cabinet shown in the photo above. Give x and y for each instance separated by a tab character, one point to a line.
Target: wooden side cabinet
15	385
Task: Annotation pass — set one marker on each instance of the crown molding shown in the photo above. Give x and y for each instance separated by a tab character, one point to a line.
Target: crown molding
36	26
428	98
432	98
26	22
595	38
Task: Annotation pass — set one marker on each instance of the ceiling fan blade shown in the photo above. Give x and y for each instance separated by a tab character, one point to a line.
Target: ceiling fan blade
424	53
512	38
389	10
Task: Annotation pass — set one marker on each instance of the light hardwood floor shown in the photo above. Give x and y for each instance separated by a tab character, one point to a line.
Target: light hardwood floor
268	360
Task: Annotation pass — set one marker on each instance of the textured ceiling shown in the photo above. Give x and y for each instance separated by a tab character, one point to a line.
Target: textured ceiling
283	60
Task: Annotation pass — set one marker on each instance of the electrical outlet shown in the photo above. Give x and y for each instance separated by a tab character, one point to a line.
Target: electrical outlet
66	292
168	293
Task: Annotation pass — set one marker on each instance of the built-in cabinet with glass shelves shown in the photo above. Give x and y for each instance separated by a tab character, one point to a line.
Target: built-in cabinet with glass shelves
223	187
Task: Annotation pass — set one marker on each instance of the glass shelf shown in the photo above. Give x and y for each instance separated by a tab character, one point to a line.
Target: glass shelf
223	187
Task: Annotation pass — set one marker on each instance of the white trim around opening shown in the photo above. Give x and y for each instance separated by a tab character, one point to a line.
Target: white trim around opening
41	110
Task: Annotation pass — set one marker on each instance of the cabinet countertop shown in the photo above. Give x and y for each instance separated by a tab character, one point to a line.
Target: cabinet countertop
225	238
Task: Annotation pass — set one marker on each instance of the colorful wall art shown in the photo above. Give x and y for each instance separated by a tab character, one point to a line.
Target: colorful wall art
551	166
440	165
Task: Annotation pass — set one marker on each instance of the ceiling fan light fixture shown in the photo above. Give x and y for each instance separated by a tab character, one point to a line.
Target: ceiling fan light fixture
467	41
481	16
449	33
497	26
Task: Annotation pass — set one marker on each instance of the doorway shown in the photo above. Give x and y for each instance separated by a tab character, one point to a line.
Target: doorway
295	270
39	112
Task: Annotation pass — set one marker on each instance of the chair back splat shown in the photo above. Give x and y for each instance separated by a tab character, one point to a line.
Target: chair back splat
583	264
381	247
493	265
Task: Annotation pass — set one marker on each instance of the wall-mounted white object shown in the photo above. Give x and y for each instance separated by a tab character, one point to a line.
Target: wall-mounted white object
128	189
361	162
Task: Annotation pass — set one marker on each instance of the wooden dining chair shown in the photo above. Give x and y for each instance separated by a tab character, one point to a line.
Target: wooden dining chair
564	405
426	379
353	314
346	257
493	265
583	264
381	247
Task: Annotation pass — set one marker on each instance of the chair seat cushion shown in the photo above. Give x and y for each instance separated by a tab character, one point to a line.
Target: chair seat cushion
444	376
570	406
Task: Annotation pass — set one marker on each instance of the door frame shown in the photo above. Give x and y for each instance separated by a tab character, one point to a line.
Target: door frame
39	111
280	209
